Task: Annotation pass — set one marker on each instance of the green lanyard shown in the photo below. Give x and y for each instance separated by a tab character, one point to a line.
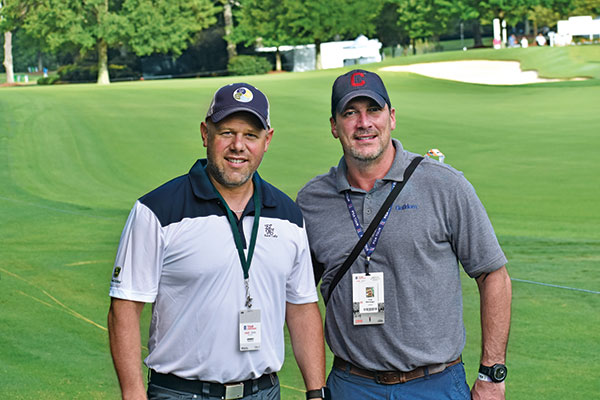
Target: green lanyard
236	232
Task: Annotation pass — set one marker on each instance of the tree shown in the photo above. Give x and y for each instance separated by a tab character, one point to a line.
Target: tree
289	22
8	59
228	22
585	7
387	29
511	11
317	21
11	17
423	19
548	12
542	14
263	22
471	10
146	26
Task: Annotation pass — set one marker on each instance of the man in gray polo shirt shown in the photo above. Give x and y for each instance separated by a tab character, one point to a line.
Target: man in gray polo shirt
394	321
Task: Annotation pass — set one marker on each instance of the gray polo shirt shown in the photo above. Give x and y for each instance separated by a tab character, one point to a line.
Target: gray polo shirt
436	222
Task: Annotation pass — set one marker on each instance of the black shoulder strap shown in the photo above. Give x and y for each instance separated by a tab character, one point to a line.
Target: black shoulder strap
372	226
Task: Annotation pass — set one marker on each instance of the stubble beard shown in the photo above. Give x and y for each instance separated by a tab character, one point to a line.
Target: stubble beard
367	158
221	176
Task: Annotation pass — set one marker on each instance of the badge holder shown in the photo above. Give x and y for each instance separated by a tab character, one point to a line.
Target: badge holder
368	307
249	325
249	330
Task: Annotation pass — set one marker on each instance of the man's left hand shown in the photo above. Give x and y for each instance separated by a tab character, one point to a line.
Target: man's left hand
483	390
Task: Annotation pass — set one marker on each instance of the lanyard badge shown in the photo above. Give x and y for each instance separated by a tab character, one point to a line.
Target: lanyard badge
249	322
368	305
249	330
367	299
249	319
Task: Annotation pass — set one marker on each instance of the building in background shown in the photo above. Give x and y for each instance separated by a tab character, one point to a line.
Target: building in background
361	50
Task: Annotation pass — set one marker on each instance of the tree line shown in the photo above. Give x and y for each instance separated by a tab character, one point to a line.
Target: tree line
146	27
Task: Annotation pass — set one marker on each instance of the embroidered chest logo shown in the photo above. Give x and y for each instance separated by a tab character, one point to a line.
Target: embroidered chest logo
407	207
270	231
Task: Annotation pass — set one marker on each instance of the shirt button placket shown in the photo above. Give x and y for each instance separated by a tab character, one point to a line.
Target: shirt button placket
368	209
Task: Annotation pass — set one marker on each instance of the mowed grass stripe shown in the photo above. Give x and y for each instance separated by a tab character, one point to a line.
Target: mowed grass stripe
554	286
92	151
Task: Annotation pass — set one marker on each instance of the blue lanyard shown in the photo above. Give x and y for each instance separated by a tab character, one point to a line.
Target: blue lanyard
369	247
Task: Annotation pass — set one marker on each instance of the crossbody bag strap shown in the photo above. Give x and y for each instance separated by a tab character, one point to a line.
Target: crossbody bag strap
372	226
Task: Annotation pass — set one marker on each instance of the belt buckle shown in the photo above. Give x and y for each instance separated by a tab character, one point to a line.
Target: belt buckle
388	378
234	391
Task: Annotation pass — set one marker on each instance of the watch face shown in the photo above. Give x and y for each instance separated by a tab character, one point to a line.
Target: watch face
499	373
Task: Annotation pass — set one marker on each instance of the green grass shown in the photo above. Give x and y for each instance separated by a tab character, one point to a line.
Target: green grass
20	78
550	62
457	44
74	158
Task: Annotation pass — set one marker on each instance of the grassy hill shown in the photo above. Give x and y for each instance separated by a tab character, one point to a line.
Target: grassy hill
74	158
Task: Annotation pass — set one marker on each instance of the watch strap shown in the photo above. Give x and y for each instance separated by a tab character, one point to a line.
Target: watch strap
322	393
484	377
487	371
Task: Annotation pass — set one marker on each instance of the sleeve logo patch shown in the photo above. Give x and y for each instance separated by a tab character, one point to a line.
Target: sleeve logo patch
115	275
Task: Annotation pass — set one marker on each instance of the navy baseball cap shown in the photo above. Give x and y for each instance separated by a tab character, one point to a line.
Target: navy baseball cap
239	97
357	83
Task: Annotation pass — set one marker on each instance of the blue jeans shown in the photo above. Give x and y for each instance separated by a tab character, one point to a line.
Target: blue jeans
451	384
156	392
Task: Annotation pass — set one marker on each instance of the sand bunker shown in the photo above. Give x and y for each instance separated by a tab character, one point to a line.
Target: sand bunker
476	71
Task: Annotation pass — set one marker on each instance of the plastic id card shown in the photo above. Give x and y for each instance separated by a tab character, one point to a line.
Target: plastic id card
367	299
249	330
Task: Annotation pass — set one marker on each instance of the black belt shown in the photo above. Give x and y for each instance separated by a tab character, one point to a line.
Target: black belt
213	389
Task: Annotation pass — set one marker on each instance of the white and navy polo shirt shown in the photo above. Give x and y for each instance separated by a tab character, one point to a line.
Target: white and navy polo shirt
177	251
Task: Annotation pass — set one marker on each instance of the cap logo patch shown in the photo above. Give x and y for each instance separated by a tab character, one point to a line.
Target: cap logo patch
243	95
356	79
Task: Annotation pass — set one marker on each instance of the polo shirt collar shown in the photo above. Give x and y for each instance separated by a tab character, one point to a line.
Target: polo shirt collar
203	188
395	173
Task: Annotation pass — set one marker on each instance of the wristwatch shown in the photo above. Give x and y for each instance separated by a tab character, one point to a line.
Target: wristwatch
322	393
496	373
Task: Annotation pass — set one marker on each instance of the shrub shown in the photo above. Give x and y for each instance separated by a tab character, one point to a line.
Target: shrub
248	65
119	71
49	80
77	73
89	73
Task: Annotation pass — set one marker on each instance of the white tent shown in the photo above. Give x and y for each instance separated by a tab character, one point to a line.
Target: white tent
576	26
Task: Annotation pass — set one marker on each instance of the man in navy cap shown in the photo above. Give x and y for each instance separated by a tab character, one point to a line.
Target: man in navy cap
223	257
394	317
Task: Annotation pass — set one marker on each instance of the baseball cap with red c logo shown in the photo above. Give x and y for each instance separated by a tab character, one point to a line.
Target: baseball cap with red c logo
357	83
